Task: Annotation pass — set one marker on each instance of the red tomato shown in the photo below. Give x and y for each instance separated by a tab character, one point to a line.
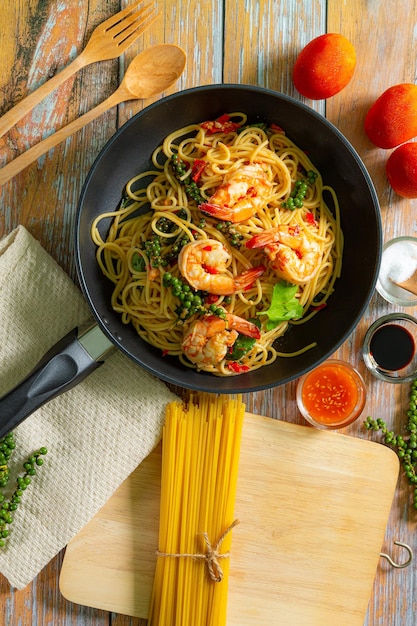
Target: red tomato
401	170
392	119
324	67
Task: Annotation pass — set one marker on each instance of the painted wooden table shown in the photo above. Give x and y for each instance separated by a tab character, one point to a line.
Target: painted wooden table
237	41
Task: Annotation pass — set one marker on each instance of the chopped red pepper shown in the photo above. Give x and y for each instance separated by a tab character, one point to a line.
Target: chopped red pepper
210	269
220	125
277	128
164	352
238	369
198	168
211	298
310	218
319	307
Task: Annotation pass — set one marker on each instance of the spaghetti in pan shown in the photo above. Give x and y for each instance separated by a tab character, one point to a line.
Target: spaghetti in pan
222	245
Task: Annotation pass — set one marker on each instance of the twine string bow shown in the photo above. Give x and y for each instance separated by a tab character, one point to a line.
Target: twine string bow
212	555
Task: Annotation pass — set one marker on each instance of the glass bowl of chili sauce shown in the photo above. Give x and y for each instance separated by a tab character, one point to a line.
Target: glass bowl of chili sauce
332	395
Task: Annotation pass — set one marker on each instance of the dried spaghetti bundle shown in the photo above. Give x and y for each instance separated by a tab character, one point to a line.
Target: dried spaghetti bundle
200	457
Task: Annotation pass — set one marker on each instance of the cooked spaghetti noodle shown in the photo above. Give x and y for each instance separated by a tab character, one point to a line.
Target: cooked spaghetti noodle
281	244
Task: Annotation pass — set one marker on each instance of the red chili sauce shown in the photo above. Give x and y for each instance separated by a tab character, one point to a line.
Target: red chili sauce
330	394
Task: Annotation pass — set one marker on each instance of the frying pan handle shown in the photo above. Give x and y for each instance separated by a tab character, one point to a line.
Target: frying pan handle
66	364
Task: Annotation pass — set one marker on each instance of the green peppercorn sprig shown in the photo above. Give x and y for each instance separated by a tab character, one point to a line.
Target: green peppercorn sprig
191	302
296	199
164	225
191	188
229	230
219	311
152	247
405	446
176	248
8	505
7	446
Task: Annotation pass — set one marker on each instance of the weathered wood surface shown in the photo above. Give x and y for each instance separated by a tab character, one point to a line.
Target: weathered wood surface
240	41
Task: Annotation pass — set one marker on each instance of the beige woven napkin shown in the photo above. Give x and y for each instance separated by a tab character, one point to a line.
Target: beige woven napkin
96	433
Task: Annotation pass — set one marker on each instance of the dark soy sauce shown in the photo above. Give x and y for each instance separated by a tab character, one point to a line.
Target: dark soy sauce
392	346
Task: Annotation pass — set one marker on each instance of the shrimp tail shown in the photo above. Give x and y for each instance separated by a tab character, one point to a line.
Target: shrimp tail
268	237
254	332
244	327
248	277
216	325
293	255
227	214
216	210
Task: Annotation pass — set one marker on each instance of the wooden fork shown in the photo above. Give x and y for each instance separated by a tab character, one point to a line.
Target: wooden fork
108	41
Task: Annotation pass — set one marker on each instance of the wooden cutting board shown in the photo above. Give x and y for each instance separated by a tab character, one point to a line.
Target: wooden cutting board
312	505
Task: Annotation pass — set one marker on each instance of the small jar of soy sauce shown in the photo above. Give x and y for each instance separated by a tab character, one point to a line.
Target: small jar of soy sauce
389	348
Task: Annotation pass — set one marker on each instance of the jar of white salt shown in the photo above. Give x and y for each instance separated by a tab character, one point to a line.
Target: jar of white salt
398	264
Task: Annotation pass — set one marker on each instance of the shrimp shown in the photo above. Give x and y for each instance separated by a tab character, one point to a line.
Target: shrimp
208	339
203	263
293	254
242	193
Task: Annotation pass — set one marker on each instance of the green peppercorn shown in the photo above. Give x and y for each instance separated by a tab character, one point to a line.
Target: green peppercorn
7	445
191	188
405	446
295	200
190	300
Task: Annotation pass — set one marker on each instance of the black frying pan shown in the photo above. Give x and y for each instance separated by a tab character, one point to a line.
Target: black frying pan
128	153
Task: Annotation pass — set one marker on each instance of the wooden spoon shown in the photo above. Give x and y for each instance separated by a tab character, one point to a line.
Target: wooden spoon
151	72
409	285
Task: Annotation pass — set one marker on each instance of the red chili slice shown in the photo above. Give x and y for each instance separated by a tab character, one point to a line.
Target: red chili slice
198	168
220	125
310	218
238	369
277	128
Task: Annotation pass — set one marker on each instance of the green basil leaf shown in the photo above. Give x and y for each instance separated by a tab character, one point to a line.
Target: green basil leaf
284	305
